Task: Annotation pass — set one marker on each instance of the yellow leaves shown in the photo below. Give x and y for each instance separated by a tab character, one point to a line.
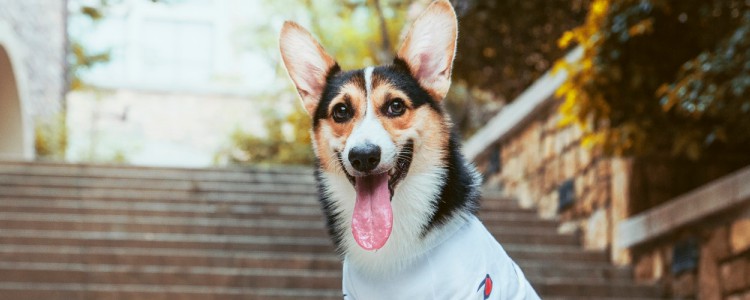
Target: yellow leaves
591	139
644	26
565	40
583	107
599	7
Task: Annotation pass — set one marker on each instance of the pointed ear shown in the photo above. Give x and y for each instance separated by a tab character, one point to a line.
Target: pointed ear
430	46
306	63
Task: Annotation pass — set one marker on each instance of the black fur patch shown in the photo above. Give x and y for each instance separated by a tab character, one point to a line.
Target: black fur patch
334	81
459	192
332	218
398	75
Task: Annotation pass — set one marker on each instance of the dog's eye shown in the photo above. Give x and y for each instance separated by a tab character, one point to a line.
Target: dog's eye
341	113
396	107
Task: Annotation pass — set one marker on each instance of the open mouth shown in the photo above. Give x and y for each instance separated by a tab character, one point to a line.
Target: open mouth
372	220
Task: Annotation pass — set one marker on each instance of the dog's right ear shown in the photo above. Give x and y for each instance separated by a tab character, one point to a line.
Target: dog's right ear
306	63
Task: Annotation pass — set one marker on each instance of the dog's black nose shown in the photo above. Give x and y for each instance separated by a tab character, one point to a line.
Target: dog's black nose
364	158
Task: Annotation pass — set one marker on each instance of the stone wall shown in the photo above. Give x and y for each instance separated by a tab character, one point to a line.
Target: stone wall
538	158
36	33
723	263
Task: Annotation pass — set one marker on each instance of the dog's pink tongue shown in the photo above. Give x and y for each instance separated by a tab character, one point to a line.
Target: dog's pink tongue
373	218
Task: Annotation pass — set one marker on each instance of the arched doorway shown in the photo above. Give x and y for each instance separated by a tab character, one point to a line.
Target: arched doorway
12	142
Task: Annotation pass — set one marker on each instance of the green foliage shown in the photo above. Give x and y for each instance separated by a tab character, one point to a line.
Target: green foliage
660	76
79	58
51	138
278	146
358	33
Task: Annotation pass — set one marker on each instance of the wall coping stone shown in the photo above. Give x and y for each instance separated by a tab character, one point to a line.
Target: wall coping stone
518	112
710	199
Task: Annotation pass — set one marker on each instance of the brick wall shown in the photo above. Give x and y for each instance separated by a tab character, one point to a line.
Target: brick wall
38	27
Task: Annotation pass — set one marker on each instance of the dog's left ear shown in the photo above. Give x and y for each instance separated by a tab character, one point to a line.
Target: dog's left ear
430	46
307	63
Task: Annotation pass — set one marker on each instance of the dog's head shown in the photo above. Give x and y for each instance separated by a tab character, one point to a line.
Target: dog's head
379	125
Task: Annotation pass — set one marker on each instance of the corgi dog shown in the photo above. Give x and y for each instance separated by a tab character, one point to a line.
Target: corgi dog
399	198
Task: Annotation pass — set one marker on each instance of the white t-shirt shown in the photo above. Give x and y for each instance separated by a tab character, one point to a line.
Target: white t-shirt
470	264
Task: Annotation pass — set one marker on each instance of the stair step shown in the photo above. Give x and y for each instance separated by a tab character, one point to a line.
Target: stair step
76	291
169	275
554	253
138	186
522	223
262	227
563	269
170	256
154	195
509	237
165	240
573	287
276	174
283	212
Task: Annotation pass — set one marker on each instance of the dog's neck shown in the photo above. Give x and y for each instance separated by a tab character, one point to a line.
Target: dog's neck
436	197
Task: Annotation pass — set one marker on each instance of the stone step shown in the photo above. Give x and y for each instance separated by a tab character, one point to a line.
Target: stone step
82	291
592	271
244	175
211	210
170	256
262	227
157	184
169	275
488	216
547	253
155	195
575	288
499	203
55	238
491	220
302	176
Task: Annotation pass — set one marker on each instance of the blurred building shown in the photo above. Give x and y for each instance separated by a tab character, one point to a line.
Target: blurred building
182	76
32	70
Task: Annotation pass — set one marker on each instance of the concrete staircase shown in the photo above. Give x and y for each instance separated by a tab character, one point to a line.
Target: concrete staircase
104	232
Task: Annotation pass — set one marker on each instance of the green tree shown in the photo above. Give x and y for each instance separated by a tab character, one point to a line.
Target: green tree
81	59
